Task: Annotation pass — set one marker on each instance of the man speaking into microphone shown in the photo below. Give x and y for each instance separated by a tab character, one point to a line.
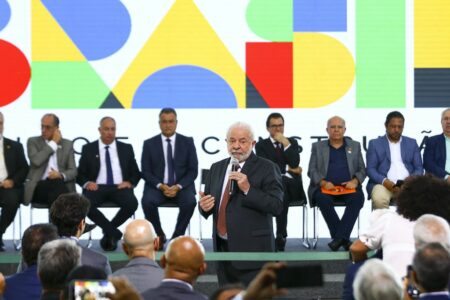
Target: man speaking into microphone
242	193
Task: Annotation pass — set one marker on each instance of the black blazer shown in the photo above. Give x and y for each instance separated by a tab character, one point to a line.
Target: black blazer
89	165
249	217
15	162
172	290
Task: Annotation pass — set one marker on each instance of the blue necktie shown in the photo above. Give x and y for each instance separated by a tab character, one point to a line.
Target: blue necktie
109	172
171	179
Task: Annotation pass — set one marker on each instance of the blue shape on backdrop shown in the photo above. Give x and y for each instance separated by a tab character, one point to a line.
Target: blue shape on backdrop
5	13
98	28
184	87
320	15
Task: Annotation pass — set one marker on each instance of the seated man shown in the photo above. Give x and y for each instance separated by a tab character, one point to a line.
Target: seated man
169	168
285	153
337	162
108	172
390	159
13	171
436	157
52	164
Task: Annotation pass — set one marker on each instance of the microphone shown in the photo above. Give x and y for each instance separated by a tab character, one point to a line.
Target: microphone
234	167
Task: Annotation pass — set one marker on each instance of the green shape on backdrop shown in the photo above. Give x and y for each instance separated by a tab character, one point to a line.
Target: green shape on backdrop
271	19
380	54
66	85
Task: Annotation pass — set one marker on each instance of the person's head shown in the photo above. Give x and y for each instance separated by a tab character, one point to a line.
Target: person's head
107	130
184	259
240	141
33	238
275	124
430	228
227	291
68	213
49	124
168	121
421	195
376	280
336	129
431	267
56	260
2	123
140	239
394	125
445	122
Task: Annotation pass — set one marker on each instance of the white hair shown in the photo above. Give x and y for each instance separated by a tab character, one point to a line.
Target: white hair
244	126
431	228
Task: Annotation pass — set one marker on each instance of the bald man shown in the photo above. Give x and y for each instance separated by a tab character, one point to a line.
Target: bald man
139	244
183	263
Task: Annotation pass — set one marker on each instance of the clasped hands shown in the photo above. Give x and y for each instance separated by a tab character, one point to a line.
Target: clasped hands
92	186
351	184
169	191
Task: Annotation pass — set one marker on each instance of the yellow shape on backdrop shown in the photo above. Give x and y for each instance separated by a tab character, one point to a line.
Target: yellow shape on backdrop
184	37
324	70
49	42
431	34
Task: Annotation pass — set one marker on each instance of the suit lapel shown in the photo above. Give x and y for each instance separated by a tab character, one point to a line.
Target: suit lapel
270	149
349	154
121	154
222	171
442	148
7	153
387	150
324	151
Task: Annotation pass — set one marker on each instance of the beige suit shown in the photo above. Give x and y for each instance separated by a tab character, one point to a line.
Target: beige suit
38	154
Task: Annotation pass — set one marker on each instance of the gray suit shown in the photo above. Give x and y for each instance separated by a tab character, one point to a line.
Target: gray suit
39	153
142	272
95	259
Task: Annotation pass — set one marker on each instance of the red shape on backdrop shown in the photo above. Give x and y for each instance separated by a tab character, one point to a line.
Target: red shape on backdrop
14	73
269	67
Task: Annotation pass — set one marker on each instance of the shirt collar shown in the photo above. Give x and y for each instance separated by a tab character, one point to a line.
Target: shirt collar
111	146
178	281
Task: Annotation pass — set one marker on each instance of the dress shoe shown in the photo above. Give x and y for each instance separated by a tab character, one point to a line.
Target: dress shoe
346	245
88	227
280	243
2	245
162	241
105	242
335	244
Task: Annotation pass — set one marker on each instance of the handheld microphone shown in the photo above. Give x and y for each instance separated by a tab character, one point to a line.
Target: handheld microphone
234	167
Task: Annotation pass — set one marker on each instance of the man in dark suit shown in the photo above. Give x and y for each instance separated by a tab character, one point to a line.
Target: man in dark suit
390	159
169	168
436	158
183	263
337	162
285	153
108	172
13	171
242	203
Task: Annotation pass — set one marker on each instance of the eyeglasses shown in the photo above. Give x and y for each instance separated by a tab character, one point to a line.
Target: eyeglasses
273	126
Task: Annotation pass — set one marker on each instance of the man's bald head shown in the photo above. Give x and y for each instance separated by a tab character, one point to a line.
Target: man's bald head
139	239
184	259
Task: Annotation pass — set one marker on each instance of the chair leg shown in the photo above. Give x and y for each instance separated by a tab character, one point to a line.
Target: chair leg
200	227
89	243
18	243
315	232
305	240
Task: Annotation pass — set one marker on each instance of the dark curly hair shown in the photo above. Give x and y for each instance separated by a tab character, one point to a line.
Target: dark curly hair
421	195
67	212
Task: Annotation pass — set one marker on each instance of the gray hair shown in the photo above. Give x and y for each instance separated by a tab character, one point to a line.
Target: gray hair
55	261
376	280
244	126
430	228
335	117
444	112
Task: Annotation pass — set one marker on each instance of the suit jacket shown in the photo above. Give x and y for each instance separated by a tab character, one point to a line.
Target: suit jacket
318	163
431	296
142	272
435	156
96	259
185	162
15	162
379	159
172	290
249	217
89	164
38	154
265	148
24	285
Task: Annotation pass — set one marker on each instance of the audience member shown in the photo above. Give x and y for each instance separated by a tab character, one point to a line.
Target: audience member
56	260
108	172
169	168
52	164
68	213
429	229
183	263
390	159
284	152
13	171
243	194
124	290
436	157
82	273
26	284
375	280
139	244
337	162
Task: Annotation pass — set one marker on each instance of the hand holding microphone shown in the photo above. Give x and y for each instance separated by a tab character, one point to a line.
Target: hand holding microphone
237	178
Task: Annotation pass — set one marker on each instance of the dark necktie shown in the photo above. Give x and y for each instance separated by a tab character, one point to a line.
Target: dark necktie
222	218
170	169
109	172
280	158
